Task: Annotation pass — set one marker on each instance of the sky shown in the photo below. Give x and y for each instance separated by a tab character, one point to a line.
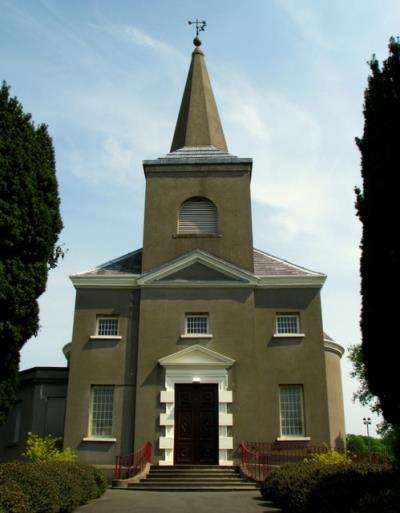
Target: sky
289	76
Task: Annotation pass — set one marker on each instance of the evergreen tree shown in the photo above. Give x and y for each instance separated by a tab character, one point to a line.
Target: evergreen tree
378	211
30	222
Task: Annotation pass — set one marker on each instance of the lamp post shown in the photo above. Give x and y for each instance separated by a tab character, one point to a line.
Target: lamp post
367	422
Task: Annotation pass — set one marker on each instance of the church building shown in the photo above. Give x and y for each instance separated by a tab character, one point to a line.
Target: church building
198	340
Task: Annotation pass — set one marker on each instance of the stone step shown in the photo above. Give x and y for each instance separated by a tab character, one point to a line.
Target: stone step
185	480
193	488
193	474
193	478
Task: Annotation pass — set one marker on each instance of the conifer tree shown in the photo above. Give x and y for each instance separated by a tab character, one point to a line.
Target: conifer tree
30	222
378	210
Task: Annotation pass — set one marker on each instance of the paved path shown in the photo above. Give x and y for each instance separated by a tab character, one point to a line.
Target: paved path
127	501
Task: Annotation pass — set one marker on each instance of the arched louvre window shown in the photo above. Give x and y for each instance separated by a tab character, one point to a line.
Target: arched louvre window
197	215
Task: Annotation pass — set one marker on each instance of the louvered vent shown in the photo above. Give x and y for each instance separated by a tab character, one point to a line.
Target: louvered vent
197	215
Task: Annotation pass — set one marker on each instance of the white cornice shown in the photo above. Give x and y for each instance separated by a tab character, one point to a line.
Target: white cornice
333	347
134	281
313	281
81	281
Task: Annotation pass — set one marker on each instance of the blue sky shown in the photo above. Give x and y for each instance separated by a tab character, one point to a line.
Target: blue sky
288	76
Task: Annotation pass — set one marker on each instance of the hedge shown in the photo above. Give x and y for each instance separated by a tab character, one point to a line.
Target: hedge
317	488
57	487
387	501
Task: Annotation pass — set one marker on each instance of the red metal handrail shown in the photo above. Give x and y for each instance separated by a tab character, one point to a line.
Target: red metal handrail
134	463
259	458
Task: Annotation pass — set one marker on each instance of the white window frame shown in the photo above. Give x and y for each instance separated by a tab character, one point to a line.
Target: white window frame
283	334
108	337
92	435
205	334
284	433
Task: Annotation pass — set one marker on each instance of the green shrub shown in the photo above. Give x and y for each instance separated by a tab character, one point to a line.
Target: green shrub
40	450
340	487
288	487
313	487
13	499
68	486
39	488
382	502
54	487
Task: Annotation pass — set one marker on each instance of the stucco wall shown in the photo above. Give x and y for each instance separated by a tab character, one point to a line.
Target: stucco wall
335	400
242	324
230	192
102	362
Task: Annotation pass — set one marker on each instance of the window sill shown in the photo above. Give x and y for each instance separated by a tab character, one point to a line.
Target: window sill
289	335
196	235
197	335
99	439
293	439
105	337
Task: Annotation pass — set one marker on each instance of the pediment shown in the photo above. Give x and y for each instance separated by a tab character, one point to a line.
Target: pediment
197	268
200	273
196	356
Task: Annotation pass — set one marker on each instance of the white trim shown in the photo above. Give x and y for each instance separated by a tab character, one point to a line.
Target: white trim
131	281
289	335
196	357
333	347
293	439
291	281
105	337
98	439
196	335
196	363
111	282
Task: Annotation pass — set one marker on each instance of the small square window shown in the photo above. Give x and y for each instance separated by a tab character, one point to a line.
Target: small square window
288	323
107	326
196	324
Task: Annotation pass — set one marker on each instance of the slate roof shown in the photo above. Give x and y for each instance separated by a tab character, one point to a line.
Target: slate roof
264	265
269	265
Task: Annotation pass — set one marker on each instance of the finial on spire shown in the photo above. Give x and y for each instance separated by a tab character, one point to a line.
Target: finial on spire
200	25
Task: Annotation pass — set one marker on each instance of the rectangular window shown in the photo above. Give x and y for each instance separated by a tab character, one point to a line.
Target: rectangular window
107	326
101	411
196	324
291	410
287	323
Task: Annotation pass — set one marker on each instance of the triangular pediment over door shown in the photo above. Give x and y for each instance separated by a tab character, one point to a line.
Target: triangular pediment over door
197	356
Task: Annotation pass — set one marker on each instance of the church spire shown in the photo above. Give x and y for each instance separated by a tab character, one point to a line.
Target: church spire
198	121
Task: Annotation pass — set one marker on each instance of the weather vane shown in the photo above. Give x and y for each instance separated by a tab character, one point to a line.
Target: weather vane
200	25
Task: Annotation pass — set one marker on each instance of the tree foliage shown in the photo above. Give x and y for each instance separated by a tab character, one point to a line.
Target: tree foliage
378	211
30	222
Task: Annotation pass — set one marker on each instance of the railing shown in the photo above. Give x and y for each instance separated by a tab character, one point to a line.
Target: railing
259	458
134	463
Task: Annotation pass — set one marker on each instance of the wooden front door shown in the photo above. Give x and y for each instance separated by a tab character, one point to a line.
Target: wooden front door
196	424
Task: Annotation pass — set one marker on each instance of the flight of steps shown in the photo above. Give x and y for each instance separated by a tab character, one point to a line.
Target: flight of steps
193	478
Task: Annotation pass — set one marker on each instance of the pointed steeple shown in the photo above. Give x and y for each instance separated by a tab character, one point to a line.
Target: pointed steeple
198	121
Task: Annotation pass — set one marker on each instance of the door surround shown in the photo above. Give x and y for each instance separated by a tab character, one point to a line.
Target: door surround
196	364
